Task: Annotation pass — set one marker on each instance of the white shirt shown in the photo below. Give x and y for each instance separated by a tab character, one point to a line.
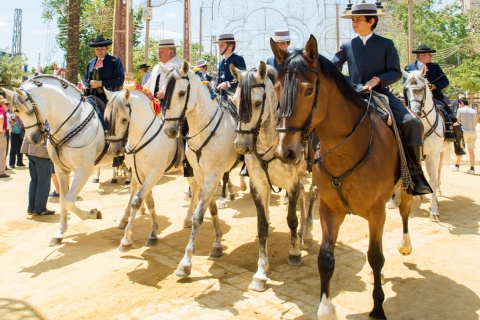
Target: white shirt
150	84
364	39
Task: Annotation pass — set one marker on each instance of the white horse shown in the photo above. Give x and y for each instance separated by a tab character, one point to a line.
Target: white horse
148	151
210	148
76	137
421	102
256	100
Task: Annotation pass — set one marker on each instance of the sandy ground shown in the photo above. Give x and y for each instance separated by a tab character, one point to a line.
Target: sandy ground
87	277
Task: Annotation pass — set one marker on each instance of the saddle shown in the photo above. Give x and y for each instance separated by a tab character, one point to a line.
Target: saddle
449	130
99	106
226	102
379	103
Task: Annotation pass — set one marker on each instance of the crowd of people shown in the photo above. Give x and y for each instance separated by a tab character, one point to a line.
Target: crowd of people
372	61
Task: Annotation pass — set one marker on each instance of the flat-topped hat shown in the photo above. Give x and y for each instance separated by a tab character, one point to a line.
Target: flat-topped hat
100	41
226	37
364	9
282	35
144	65
200	63
423	48
167	43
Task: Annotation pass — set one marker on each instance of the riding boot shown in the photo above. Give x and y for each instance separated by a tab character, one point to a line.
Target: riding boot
187	169
414	158
459	143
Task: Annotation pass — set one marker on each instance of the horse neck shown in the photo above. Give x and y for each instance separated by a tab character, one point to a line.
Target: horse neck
267	134
203	110
429	105
141	117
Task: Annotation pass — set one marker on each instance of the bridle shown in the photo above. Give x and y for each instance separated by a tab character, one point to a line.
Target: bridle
111	128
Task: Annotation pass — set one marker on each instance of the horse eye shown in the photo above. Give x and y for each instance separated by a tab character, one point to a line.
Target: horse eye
309	91
182	93
124	120
258	103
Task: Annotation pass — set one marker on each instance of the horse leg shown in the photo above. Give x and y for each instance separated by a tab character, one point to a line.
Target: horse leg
391	203
152	238
79	180
432	163
185	266
127	213
443	155
243	184
217	250
376	261
405	246
295	253
330	223
187	222
96	178
64	182
221	202
114	175
231	193
306	222
128	174
260	198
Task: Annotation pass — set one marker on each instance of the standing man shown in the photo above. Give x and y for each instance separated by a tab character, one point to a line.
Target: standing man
3	137
282	38
373	62
437	82
226	83
468	118
167	54
104	71
144	71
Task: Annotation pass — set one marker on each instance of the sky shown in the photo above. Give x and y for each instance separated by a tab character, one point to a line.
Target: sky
38	37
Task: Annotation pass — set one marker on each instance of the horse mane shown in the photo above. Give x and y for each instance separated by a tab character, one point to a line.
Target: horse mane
296	63
249	80
170	80
61	80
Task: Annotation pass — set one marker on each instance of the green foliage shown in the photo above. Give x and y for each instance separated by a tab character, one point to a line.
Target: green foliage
11	70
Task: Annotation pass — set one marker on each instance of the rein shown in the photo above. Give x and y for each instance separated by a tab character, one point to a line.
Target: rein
255	132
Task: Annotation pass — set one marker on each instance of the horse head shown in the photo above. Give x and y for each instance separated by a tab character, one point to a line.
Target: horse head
417	90
297	90
24	107
118	116
177	98
256	101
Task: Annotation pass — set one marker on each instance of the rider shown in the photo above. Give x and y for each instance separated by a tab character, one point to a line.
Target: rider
282	38
437	82
104	71
373	61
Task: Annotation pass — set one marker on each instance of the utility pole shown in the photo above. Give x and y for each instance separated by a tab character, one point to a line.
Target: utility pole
200	36
186	32
17	33
410	31
147	16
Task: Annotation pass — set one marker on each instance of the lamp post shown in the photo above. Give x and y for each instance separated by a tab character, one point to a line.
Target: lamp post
410	31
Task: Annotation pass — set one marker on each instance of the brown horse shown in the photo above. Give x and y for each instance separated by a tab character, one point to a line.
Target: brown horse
358	166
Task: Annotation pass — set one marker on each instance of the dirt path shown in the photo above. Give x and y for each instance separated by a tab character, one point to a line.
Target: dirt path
89	278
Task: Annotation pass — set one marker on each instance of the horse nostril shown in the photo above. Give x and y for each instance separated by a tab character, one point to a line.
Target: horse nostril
291	156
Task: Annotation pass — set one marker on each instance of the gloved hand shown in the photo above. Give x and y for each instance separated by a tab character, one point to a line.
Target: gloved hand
95	84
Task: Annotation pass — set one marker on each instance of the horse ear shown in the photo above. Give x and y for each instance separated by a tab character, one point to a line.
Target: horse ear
8	93
108	94
311	51
127	94
262	70
185	67
405	73
235	72
280	55
424	71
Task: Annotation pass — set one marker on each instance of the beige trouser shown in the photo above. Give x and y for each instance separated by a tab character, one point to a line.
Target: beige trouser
3	152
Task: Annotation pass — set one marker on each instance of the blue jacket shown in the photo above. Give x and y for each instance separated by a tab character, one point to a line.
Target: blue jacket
273	62
224	73
112	74
378	58
435	76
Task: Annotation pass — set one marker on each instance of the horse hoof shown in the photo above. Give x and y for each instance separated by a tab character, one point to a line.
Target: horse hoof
124	247
221	205
151	242
434	217
123	224
258	285
95	181
127	182
187	223
55	242
113	181
294	260
391	205
183	271
417	199
307	243
231	197
285	200
96	213
217	252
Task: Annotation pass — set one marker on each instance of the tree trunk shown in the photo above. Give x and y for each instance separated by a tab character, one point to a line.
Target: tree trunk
73	40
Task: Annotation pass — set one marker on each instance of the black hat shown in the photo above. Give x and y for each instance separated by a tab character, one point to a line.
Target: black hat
424	49
100	41
144	65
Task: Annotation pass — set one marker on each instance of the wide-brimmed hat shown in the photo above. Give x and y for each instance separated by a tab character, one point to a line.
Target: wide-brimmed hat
100	41
364	9
226	37
282	35
144	65
2	100
200	63
423	48
167	43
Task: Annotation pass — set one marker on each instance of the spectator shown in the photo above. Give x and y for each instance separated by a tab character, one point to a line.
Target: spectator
3	137
40	167
16	136
282	38
468	118
144	71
